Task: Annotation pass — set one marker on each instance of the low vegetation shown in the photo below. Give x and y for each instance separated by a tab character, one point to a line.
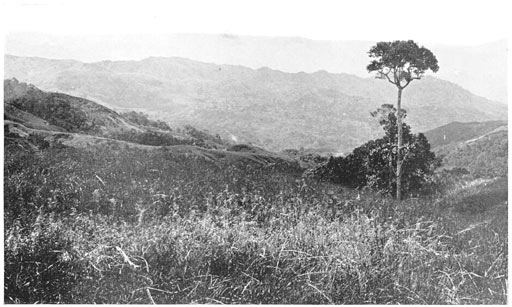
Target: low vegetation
119	225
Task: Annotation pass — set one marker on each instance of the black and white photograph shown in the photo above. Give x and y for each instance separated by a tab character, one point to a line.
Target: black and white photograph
255	152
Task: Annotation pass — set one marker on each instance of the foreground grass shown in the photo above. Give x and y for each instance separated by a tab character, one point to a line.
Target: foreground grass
156	227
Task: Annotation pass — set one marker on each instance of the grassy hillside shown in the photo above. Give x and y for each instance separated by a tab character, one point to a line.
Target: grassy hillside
484	157
269	108
67	112
479	147
32	109
127	225
457	132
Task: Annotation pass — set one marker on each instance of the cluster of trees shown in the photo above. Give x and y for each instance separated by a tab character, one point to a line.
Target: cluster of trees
154	138
165	138
143	120
374	164
198	134
55	109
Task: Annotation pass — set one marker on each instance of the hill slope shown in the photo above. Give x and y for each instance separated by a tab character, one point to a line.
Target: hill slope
24	103
272	109
461	132
479	147
485	157
58	118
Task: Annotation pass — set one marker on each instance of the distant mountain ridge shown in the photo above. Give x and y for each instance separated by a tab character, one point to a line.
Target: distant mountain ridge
269	108
481	69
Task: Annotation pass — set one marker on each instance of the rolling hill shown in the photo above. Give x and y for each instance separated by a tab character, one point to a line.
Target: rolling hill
458	132
479	147
268	108
54	118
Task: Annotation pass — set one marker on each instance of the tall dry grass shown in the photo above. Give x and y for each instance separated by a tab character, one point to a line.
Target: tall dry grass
158	227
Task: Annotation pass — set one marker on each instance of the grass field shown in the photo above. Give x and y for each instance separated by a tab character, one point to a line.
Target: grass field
126	225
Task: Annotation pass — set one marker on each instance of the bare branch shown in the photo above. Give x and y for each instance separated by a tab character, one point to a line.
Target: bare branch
382	73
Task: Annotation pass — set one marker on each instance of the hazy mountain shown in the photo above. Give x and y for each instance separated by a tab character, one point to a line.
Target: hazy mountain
481	69
270	108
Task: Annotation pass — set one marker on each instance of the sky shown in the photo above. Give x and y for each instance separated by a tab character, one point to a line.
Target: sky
453	22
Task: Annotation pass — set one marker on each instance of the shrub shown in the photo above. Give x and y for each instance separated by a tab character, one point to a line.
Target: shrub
374	163
120	225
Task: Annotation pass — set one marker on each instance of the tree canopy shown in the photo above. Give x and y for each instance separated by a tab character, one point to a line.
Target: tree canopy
400	62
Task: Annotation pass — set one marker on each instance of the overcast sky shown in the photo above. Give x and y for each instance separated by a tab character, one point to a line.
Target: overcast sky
451	22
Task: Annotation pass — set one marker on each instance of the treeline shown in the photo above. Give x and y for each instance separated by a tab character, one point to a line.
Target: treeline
200	138
155	138
52	107
142	119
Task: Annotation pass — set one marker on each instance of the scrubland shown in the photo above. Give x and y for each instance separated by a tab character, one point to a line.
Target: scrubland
126	225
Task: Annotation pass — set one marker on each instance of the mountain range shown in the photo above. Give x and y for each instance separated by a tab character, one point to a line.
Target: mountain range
480	69
268	108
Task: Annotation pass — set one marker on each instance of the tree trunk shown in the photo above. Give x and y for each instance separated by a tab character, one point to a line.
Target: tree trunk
399	147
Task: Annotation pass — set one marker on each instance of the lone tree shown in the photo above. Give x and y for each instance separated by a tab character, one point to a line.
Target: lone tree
373	164
400	62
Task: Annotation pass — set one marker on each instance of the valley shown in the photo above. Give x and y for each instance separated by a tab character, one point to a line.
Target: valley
255	152
168	180
112	207
319	111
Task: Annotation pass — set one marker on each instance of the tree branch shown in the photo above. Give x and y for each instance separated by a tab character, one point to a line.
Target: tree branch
405	156
386	75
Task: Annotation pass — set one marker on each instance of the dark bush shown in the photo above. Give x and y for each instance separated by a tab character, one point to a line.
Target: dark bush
374	163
